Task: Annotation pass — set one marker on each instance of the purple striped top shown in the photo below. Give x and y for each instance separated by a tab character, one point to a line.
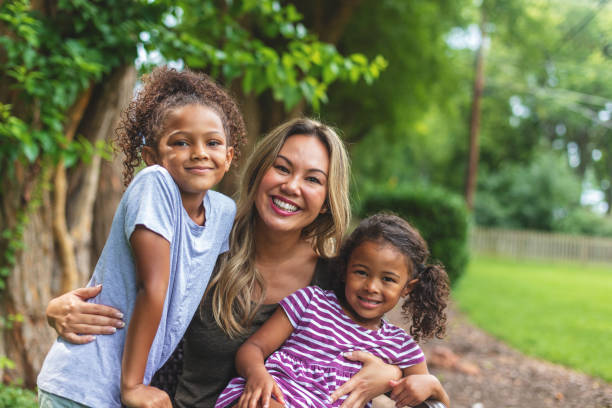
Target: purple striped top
310	365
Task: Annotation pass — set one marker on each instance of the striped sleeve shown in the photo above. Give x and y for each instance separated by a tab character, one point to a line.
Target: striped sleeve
296	304
410	352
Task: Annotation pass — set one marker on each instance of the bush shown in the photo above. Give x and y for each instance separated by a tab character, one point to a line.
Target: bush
439	215
12	396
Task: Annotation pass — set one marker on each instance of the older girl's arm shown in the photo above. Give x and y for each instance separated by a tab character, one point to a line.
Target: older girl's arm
152	260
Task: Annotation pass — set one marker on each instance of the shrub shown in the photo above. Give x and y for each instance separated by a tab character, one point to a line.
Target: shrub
12	396
439	215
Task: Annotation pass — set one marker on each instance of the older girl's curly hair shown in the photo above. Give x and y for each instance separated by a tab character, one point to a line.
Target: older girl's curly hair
164	90
426	303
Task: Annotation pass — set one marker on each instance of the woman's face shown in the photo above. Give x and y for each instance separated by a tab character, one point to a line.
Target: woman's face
293	190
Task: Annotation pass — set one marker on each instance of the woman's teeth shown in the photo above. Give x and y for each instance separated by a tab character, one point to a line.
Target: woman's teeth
284	205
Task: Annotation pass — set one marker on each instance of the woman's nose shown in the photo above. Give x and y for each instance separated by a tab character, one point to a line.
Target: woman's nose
291	186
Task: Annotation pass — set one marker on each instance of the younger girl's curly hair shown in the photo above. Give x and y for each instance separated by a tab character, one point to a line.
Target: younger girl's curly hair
164	90
426	303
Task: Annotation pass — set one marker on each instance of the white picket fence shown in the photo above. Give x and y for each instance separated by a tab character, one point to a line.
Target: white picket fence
534	244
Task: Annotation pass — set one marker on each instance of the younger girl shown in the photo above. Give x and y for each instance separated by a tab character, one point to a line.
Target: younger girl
166	235
381	262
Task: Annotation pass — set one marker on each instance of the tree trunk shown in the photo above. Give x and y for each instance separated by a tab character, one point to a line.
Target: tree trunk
39	270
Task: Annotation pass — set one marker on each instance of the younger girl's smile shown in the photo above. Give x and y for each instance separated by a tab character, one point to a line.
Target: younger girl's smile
376	277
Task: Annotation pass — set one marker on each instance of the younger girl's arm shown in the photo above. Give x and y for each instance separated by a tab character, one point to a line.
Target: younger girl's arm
250	361
416	386
152	260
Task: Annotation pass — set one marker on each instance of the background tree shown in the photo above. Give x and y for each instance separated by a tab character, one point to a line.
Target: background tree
67	69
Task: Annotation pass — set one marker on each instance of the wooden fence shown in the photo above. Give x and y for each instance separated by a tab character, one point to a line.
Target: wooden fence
533	244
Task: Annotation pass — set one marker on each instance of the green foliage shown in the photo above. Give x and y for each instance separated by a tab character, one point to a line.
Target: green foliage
536	196
584	221
440	216
263	44
50	60
13	396
556	311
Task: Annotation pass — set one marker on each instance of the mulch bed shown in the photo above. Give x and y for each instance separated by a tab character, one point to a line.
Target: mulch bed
479	371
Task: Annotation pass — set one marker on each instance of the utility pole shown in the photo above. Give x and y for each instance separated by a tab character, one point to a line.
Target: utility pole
474	147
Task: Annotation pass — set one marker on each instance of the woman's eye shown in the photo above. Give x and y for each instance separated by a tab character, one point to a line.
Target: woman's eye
281	168
313	180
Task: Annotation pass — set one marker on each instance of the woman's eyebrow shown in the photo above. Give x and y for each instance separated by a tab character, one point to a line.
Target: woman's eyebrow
312	169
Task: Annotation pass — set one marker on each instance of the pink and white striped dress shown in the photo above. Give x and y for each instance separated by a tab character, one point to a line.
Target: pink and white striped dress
310	365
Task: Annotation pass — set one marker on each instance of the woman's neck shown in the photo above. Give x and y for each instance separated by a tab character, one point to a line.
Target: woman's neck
272	246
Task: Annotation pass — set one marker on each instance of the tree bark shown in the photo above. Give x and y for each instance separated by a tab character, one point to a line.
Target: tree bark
38	273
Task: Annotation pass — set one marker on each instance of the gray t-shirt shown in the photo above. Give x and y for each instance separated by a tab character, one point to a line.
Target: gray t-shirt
90	374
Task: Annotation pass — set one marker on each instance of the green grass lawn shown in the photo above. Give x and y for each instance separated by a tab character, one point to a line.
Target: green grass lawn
561	312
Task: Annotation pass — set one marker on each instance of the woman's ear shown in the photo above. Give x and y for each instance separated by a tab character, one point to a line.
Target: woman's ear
149	155
409	286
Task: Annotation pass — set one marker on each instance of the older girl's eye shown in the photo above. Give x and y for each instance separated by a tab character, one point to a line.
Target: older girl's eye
180	143
214	143
389	279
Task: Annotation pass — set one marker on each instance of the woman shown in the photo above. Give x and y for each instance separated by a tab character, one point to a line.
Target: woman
292	210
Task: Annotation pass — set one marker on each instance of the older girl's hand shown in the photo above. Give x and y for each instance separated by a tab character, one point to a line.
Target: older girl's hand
371	381
77	321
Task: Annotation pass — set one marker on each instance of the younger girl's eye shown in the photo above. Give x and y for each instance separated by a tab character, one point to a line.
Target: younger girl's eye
359	272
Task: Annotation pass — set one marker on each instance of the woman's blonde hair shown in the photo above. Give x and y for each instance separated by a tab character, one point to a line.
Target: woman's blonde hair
232	288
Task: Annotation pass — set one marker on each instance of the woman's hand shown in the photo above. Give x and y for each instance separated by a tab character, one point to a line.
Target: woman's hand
413	389
145	396
260	386
371	381
76	320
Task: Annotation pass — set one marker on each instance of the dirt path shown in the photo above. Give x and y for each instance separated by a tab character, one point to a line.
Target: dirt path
480	372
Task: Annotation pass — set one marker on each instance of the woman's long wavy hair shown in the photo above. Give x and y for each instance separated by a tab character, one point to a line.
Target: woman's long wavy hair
232	289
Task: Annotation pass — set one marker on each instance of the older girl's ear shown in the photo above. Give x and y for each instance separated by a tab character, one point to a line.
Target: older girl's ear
149	155
409	286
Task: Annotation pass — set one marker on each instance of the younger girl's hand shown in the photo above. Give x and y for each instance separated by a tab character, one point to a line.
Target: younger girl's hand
145	396
412	389
77	321
260	386
370	382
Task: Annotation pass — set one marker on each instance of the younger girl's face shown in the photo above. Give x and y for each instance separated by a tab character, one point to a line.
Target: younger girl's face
193	148
377	276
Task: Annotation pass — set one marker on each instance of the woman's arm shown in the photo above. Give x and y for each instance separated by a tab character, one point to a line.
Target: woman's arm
416	386
78	321
251	356
371	381
152	260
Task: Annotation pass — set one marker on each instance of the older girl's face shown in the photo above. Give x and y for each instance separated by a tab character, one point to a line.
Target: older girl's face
293	190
